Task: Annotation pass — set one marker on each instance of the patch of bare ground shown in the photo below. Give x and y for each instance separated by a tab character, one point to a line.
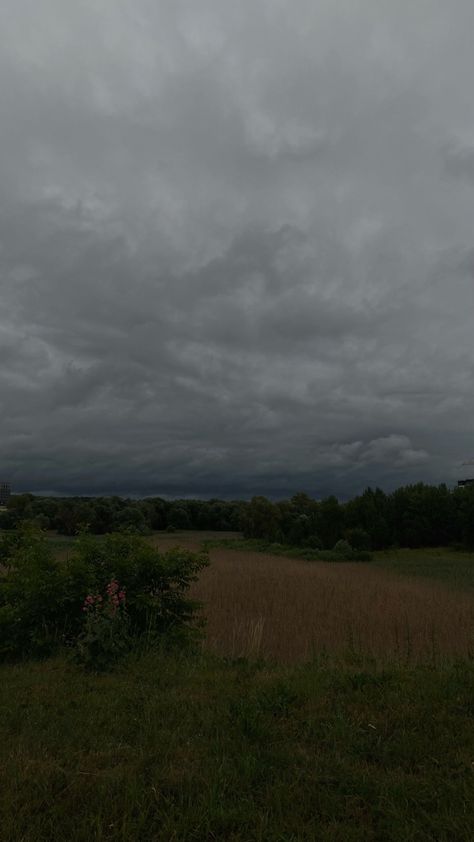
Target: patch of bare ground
291	610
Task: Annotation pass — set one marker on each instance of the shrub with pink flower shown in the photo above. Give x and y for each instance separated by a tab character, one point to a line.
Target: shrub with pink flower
106	632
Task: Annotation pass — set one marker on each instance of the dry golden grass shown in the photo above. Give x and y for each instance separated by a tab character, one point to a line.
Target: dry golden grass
291	610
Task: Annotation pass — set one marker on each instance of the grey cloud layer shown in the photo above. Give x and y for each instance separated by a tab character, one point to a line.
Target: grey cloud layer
236	250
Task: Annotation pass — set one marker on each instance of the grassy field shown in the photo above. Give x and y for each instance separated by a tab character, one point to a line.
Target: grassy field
397	607
175	749
289	610
331	701
441	563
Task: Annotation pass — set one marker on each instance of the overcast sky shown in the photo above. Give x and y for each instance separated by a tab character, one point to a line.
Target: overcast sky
236	245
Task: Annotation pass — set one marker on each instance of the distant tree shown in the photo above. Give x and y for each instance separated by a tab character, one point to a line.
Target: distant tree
464	508
330	521
371	512
20	507
358	538
130	519
413	515
261	520
71	517
179	518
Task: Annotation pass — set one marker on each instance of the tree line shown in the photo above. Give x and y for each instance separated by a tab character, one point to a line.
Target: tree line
101	515
417	515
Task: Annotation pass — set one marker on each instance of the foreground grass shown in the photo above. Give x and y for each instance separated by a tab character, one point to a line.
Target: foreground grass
179	748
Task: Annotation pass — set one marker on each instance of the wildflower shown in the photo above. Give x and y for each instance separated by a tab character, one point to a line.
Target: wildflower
88	602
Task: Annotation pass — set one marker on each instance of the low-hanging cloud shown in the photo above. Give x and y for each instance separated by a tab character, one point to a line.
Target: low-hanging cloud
235	246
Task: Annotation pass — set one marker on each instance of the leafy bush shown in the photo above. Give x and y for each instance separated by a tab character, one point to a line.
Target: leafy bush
106	635
361	555
33	595
358	538
313	542
342	547
42	598
155	583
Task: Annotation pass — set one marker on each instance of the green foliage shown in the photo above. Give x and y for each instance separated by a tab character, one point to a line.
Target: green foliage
288	551
358	538
33	596
261	520
106	635
156	583
412	516
41	597
180	518
313	542
342	548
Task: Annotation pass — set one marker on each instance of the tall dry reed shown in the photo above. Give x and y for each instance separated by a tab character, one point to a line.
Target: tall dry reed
292	610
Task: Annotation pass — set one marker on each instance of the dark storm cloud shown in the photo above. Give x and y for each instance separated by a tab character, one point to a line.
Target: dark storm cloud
235	245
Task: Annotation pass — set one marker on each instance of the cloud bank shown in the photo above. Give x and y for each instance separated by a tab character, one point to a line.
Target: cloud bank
236	245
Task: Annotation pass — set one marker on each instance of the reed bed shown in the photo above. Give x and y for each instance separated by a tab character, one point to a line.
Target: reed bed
290	610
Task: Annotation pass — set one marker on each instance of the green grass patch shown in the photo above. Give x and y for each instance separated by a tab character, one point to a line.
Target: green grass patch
179	748
453	567
444	564
258	546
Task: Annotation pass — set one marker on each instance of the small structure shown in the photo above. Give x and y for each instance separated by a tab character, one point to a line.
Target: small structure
462	483
5	492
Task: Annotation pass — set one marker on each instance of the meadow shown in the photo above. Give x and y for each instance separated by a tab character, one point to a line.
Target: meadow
287	609
329	701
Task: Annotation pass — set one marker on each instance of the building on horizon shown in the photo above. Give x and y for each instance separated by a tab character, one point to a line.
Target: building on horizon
5	492
463	482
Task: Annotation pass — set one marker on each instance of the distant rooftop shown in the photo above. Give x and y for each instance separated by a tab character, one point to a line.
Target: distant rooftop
464	482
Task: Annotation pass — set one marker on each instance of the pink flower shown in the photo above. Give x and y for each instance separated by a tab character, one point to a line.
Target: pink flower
88	602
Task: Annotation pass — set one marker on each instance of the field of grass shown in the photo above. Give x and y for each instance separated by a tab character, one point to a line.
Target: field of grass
177	748
261	605
332	702
441	563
